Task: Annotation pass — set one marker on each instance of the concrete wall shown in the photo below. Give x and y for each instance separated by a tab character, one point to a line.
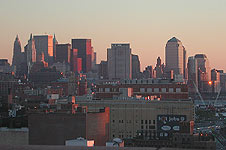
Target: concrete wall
13	136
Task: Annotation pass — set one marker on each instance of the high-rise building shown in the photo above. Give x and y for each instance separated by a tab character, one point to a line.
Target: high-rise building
55	42
30	52
76	63
215	81
185	63
17	56
119	61
135	66
159	68
148	72
44	44
84	52
5	66
204	74
175	55
192	74
103	70
63	53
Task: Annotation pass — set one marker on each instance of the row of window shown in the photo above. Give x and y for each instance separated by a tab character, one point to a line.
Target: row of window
143	90
147	127
142	121
156	90
147	121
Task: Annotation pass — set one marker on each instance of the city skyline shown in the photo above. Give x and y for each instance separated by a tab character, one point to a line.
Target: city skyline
147	29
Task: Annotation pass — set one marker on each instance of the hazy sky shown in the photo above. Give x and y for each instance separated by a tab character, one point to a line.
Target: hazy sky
145	24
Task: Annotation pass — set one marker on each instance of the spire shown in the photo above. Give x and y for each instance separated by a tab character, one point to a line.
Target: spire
30	36
17	37
54	39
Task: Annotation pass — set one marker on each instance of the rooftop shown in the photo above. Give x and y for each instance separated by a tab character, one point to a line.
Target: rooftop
174	39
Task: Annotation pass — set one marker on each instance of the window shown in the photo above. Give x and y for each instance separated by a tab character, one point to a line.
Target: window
163	90
142	90
146	122
122	121
113	135
171	90
156	90
142	121
178	90
101	89
113	121
149	90
152	127
153	121
107	89
149	121
142	127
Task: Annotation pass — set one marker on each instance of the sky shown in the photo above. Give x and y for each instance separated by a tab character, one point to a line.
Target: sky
146	24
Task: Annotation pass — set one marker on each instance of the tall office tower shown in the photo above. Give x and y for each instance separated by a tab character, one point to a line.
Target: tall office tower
215	80
44	44
75	62
175	55
148	72
159	68
103	70
204	74
192	74
17	55
55	42
5	66
63	53
135	67
30	52
84	52
119	61
185	63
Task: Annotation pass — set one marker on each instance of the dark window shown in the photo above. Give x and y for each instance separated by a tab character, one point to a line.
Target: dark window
122	121
153	121
113	121
149	121
142	121
142	127
151	127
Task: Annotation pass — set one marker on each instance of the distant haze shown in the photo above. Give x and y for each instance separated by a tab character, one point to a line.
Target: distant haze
146	24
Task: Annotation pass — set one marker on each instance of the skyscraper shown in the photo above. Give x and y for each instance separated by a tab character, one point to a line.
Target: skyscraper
203	71
84	52
192	74
30	52
119	61
44	44
175	55
55	42
17	53
159	68
63	53
135	66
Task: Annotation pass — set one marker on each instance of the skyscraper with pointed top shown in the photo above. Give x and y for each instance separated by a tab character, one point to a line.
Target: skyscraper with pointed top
16	53
55	42
30	52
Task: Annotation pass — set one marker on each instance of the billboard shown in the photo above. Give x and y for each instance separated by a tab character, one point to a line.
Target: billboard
168	124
